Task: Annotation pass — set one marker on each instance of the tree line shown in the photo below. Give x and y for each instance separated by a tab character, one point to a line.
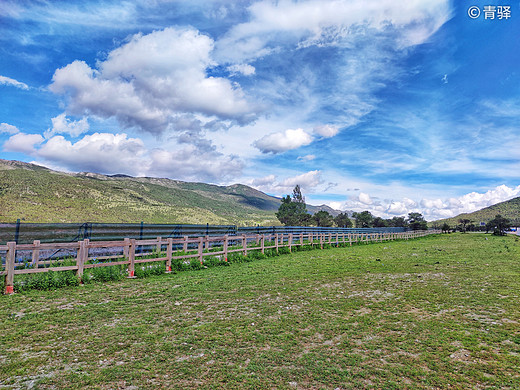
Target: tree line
293	212
498	226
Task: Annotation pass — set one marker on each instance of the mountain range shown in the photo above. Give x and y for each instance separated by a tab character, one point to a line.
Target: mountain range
33	193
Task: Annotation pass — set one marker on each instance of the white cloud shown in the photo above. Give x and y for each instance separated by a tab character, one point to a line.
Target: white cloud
245	69
151	80
307	181
468	203
326	131
365	198
283	141
23	143
99	152
308	157
320	22
268	180
193	164
12	82
117	153
6	128
431	209
62	125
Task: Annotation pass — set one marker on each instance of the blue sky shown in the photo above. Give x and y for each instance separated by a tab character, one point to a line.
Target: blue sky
376	106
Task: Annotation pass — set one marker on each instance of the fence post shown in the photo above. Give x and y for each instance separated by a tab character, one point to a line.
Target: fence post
301	239
262	240
185	244
321	240
244	244
290	242
9	267
35	253
206	243
82	258
131	258
169	251
126	248
201	246
159	244
225	247
276	242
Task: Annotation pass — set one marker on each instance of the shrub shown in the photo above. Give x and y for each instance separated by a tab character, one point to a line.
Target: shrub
104	274
213	261
195	264
148	269
49	280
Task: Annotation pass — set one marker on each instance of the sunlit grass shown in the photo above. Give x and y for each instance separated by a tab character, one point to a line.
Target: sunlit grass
437	312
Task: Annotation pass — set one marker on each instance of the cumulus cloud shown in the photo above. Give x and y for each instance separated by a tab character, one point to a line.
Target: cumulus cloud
245	69
326	131
365	198
468	203
12	82
62	125
118	153
431	209
6	128
308	181
283	141
152	79
192	164
23	143
99	152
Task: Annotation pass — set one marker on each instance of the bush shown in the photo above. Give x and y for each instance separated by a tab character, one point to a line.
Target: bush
148	269
284	251
213	261
49	280
237	257
195	264
105	274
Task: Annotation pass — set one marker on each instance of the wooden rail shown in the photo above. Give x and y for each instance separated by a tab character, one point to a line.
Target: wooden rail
192	247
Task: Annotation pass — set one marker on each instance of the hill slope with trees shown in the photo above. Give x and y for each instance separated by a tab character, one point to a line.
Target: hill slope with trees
37	194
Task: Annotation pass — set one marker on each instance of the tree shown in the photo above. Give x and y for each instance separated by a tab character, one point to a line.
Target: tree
293	211
342	220
397	222
323	218
363	219
499	225
379	222
297	195
445	228
463	222
416	221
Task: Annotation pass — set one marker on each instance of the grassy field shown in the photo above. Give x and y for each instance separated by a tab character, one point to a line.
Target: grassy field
437	312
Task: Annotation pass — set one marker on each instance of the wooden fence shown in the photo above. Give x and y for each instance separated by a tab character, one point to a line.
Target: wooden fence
166	250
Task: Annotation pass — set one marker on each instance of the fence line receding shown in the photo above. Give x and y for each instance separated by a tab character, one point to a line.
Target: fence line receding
131	251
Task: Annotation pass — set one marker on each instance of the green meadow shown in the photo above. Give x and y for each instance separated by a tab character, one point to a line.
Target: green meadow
436	312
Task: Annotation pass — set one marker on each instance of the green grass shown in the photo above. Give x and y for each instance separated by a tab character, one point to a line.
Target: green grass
437	312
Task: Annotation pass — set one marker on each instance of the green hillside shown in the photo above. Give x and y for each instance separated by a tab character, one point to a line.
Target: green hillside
37	194
509	209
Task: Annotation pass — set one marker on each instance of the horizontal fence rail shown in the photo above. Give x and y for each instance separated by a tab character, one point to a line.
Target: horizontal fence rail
131	251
